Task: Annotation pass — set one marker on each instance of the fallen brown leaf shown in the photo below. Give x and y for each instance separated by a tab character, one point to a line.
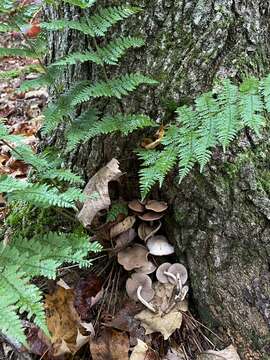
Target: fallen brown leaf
111	344
229	353
98	185
64	322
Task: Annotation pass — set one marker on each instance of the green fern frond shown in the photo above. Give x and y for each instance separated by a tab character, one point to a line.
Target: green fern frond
116	87
17	52
79	129
44	80
228	117
96	25
24	258
83	4
109	54
4	135
10	323
11	74
62	175
105	18
63	107
251	105
26	297
156	173
265	84
112	52
39	194
206	111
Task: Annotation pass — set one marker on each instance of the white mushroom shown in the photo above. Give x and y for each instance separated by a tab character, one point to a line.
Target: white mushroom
158	245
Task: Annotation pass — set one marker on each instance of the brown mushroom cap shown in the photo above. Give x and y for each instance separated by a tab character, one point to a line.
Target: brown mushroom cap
137	280
148	268
151	216
181	270
160	273
145	231
156	206
133	257
158	245
136	205
125	239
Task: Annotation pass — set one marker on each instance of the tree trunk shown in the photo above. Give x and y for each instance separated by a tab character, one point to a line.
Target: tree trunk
219	220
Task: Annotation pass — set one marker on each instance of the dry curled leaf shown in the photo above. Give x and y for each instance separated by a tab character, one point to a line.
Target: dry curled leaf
142	352
152	144
229	353
165	323
64	322
111	344
123	226
98	184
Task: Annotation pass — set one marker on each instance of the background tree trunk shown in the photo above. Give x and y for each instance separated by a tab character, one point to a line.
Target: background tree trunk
219	220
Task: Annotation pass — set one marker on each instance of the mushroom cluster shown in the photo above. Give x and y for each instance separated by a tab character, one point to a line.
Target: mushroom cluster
140	247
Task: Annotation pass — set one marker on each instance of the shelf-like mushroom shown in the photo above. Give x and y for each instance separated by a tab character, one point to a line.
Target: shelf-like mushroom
136	206
148	268
139	288
156	206
151	216
158	245
145	231
133	257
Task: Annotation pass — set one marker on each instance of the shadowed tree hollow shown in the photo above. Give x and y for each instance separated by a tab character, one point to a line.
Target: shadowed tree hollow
219	219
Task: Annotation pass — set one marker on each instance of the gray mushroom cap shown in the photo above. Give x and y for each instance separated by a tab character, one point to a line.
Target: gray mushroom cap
133	257
148	268
142	280
178	269
162	278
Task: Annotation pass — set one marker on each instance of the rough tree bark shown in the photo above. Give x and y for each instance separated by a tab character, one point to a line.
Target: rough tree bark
219	220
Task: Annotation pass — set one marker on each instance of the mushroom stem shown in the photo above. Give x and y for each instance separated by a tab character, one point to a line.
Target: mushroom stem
143	301
179	283
172	276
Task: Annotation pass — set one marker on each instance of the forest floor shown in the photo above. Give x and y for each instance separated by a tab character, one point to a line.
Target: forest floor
90	307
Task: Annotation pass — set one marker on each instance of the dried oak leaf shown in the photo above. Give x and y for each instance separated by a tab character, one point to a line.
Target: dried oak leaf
64	322
111	344
161	322
229	353
98	185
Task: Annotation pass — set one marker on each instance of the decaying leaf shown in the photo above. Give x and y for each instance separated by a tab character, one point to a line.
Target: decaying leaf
229	353
38	342
123	226
88	292
111	344
139	351
152	144
174	354
64	322
98	184
124	321
165	323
